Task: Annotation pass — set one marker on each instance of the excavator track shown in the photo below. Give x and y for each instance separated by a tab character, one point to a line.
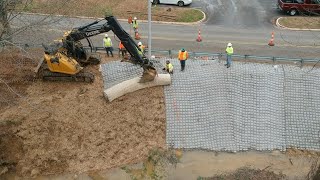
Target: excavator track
47	75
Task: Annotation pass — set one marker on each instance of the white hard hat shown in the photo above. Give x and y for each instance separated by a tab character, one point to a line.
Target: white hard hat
139	43
229	44
135	18
106	35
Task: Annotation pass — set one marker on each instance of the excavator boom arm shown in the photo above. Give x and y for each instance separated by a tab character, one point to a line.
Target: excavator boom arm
112	24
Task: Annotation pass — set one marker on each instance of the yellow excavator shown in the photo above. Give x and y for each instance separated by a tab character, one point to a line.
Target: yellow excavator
65	59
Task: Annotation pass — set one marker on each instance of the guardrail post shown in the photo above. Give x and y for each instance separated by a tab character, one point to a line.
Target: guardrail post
274	60
246	57
302	63
170	54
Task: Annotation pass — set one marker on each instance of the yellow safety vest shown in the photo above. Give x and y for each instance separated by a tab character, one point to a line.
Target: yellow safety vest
183	55
229	50
142	48
169	67
134	24
140	52
107	42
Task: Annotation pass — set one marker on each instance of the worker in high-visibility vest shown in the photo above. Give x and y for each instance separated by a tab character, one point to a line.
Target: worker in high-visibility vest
142	47
229	51
168	67
183	56
135	24
122	50
107	44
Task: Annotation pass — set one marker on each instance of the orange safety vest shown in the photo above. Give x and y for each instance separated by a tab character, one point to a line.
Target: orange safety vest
121	45
183	55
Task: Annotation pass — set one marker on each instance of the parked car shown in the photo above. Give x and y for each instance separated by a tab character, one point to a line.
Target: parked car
293	7
176	2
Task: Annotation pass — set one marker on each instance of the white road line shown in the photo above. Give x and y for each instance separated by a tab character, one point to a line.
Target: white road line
219	2
234	6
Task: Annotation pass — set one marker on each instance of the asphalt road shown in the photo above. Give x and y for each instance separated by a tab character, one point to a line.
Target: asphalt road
238	13
246	23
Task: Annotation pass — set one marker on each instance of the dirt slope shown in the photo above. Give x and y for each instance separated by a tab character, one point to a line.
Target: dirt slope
70	127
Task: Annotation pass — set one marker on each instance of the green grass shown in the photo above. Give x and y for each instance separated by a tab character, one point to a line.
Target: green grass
190	15
120	9
301	22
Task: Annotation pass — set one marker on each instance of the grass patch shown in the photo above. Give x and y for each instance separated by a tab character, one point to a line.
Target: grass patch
190	15
122	9
301	22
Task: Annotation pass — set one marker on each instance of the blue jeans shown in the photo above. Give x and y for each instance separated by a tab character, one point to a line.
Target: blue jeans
229	60
109	49
183	64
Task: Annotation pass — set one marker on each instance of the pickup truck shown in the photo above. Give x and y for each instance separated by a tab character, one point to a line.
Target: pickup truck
293	7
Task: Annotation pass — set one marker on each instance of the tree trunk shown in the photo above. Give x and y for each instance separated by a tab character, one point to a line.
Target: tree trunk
4	24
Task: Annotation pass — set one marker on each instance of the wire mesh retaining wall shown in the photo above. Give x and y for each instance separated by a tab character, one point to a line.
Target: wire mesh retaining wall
247	106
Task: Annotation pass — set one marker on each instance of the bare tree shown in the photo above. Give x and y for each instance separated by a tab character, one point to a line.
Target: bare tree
12	11
4	25
8	10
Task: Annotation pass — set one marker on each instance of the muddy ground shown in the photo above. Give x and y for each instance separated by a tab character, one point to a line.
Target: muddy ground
68	130
57	127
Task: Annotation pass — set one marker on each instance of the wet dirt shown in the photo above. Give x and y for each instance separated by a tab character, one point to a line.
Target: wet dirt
65	130
70	127
195	164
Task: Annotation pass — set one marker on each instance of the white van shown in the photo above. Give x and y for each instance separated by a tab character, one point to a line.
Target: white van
176	2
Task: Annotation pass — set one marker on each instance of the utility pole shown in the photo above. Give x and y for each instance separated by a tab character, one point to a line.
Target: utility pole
149	32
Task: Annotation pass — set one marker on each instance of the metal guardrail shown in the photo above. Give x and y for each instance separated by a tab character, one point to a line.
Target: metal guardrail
210	56
203	55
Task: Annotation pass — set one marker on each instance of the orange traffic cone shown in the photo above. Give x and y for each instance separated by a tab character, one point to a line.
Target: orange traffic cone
199	39
271	42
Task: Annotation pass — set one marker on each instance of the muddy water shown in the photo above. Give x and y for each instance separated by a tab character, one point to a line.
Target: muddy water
198	163
206	164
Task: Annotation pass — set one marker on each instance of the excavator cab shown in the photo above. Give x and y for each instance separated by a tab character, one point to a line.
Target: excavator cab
56	65
57	61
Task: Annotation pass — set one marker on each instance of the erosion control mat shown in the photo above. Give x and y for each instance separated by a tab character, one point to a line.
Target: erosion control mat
247	106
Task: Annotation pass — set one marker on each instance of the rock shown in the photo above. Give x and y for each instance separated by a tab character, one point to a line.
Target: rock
35	172
3	170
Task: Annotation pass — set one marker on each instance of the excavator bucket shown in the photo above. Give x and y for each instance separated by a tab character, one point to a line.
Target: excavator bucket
149	73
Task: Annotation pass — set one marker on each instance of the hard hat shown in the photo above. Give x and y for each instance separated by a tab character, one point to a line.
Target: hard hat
106	35
183	49
229	44
139	43
135	18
